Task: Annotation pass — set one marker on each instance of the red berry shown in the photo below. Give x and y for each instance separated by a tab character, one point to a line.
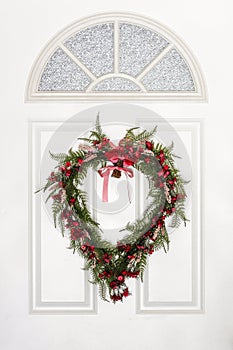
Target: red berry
131	257
80	161
120	278
149	145
128	162
113	284
160	173
68	173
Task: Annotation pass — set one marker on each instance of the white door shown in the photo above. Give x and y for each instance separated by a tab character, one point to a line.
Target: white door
186	298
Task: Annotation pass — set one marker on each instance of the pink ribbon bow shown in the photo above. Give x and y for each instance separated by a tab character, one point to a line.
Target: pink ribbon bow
105	172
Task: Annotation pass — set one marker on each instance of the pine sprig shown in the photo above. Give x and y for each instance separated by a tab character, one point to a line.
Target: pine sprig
130	134
144	135
57	208
98	126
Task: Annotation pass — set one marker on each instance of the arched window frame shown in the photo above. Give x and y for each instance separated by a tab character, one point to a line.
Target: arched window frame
33	94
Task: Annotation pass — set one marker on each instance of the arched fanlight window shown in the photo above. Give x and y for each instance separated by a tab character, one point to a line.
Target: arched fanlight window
117	56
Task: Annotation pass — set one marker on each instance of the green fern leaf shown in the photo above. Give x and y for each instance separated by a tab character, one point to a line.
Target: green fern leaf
59	157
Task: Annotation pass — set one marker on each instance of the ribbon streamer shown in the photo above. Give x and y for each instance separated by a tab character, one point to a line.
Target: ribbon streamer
105	173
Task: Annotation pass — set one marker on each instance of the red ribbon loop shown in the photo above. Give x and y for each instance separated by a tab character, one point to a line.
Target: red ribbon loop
105	172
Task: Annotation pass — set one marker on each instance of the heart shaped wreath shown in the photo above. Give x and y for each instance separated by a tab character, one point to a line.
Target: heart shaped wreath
111	265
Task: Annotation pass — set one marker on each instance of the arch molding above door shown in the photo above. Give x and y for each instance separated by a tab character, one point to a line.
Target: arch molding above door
116	56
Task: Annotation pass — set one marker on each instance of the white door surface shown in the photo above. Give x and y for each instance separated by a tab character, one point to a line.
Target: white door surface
186	299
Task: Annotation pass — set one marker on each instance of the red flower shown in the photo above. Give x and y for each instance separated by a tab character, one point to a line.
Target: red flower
68	164
113	284
160	223
160	173
120	278
52	177
56	197
161	154
91	248
72	200
68	173
66	214
128	162
107	258
133	274
140	247
105	274
83	248
92	256
113	155
125	247
126	293
104	142
116	297
119	153
151	251
95	142
174	199
75	234
80	161
161	157
149	145
161	160
147	234
131	257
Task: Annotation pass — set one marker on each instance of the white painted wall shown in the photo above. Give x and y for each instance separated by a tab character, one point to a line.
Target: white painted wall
206	27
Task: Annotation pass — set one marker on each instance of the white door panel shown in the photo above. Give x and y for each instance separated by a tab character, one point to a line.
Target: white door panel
54	284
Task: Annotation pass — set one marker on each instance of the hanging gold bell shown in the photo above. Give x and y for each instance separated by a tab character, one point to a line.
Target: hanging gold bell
117	173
